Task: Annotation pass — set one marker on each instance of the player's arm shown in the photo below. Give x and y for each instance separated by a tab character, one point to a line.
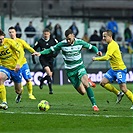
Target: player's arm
93	48
103	58
49	50
107	56
54	48
28	47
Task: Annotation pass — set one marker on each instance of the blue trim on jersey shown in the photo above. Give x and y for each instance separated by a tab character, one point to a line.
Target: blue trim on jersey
116	75
6	71
26	71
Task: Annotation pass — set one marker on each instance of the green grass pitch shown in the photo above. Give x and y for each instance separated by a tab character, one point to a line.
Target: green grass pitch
70	112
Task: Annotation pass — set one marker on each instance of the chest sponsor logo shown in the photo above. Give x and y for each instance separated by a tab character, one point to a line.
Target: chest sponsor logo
4	52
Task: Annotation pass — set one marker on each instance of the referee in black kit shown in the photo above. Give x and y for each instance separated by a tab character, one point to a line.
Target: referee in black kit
46	60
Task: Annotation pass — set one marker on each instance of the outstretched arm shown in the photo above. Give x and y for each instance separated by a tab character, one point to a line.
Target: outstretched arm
95	49
45	51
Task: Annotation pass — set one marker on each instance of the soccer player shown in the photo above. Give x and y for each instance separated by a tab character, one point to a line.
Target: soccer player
46	60
117	71
25	68
75	69
10	64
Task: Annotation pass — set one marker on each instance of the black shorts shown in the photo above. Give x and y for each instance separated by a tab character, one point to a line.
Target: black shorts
47	62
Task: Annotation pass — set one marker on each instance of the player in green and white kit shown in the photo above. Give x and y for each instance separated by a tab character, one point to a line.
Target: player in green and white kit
75	69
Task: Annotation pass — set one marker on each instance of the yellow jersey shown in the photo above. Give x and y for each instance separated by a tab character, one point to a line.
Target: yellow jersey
23	45
8	55
114	56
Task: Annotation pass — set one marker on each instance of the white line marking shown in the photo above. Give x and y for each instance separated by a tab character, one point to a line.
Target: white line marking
65	114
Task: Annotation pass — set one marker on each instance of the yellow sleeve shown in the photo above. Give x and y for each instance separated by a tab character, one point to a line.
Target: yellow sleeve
27	46
18	49
110	51
103	58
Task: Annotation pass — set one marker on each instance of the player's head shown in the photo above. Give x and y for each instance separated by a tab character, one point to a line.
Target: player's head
46	34
2	36
69	36
107	36
12	32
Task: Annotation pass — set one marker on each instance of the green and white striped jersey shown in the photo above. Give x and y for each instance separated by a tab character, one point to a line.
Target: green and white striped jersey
71	53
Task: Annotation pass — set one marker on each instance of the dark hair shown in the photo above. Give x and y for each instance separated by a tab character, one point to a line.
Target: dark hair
68	31
11	28
46	30
2	33
109	32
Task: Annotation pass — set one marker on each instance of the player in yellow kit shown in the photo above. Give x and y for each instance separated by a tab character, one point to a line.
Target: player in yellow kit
118	69
25	68
10	64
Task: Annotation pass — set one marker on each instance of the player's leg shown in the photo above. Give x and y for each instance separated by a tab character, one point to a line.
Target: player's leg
90	94
49	78
27	76
109	77
121	77
17	78
127	92
3	76
81	84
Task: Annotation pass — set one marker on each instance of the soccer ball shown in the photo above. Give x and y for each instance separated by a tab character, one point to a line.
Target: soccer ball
44	105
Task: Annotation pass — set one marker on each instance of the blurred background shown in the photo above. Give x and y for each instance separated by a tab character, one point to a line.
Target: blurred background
91	17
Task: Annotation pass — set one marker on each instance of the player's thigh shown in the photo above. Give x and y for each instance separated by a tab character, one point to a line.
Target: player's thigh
3	77
4	74
16	76
109	76
121	76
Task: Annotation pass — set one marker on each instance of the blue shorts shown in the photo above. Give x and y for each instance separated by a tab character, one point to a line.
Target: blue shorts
11	74
116	75
25	71
6	71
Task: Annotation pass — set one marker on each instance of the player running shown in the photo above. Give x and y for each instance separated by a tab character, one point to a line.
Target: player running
75	69
118	69
25	67
10	64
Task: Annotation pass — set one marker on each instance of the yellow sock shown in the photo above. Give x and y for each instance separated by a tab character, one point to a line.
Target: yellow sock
129	94
3	93
29	87
111	88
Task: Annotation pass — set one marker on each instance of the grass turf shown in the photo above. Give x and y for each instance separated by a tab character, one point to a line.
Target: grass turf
69	112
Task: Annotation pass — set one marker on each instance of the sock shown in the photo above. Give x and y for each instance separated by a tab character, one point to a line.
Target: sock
49	81
3	93
111	88
29	87
91	96
129	94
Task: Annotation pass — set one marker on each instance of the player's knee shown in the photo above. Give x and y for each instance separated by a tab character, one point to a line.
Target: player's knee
18	91
82	93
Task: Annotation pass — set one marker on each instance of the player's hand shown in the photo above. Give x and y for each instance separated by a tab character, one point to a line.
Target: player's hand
99	53
17	68
36	53
93	58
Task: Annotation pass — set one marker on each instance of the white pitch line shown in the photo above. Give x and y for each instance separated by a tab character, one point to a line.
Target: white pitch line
65	114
